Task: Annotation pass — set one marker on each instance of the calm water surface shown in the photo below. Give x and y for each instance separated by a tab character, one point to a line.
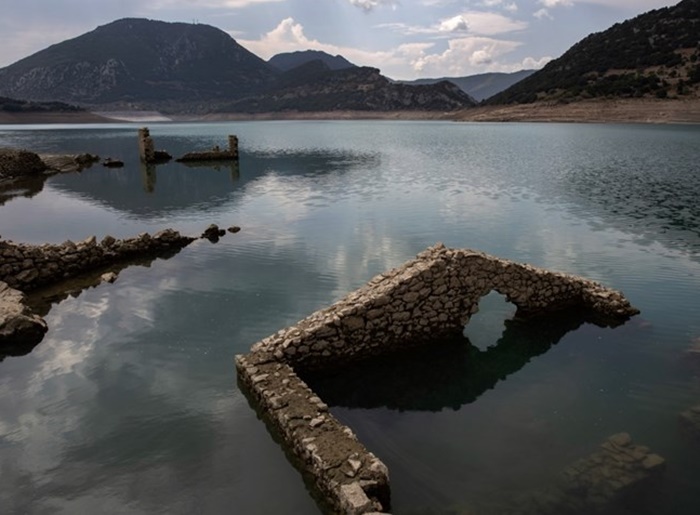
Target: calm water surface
130	404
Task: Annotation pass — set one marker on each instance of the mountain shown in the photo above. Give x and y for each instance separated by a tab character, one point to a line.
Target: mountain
289	60
315	87
190	68
138	60
481	86
656	54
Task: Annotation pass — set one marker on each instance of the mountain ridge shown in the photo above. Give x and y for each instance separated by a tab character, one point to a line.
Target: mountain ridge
288	60
655	54
137	58
136	63
479	86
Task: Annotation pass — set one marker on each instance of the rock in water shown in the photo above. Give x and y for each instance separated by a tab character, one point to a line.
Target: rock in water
18	325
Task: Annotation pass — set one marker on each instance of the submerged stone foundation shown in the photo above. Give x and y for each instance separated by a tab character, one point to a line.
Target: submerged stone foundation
432	296
27	268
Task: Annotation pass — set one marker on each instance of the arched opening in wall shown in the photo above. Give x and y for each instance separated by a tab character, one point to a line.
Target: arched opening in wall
485	327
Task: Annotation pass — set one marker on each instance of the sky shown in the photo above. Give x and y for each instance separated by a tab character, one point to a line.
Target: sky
405	39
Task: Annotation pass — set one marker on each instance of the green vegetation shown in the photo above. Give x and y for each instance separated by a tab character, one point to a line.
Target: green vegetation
652	55
11	105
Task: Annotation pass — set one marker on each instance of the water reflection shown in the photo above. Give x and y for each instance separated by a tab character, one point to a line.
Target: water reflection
27	188
177	188
444	374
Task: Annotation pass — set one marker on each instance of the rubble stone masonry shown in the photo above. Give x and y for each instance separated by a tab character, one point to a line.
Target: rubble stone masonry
433	295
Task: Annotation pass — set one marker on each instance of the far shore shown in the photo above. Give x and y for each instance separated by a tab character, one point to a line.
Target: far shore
589	111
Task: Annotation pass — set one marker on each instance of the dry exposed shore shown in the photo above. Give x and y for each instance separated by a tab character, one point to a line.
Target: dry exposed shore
590	111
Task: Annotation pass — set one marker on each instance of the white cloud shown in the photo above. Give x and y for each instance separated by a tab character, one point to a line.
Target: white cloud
434	3
555	3
636	5
463	56
510	7
289	36
475	22
454	24
530	63
368	5
542	13
211	4
489	24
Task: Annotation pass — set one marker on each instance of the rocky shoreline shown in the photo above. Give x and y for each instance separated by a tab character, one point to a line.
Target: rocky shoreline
586	111
18	165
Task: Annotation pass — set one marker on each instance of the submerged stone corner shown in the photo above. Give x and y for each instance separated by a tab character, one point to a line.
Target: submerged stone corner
433	295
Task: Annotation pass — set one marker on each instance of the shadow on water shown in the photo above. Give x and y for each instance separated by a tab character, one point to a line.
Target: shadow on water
445	374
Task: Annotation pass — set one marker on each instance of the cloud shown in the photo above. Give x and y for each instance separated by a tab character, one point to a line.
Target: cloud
475	22
542	13
289	36
555	3
463	55
455	24
211	4
368	5
510	7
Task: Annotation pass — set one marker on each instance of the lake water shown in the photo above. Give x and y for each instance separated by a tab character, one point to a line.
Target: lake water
130	403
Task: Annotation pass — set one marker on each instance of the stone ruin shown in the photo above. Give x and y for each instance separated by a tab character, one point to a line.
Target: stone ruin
149	155
29	268
617	473
427	298
147	151
215	154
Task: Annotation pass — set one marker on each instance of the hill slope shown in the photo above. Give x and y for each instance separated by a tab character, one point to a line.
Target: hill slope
656	54
137	59
481	86
289	60
191	68
315	87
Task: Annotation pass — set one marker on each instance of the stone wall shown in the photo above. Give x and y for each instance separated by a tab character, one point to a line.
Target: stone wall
215	154
431	296
351	479
28	267
24	268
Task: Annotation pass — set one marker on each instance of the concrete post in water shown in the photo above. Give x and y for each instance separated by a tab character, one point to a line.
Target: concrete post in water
233	145
147	151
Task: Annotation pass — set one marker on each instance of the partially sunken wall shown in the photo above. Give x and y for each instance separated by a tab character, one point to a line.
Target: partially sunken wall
428	297
28	267
24	268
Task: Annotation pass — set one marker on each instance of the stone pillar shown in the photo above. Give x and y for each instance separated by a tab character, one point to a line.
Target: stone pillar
233	145
147	151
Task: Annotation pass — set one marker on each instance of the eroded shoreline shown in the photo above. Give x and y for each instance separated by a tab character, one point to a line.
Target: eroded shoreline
647	111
